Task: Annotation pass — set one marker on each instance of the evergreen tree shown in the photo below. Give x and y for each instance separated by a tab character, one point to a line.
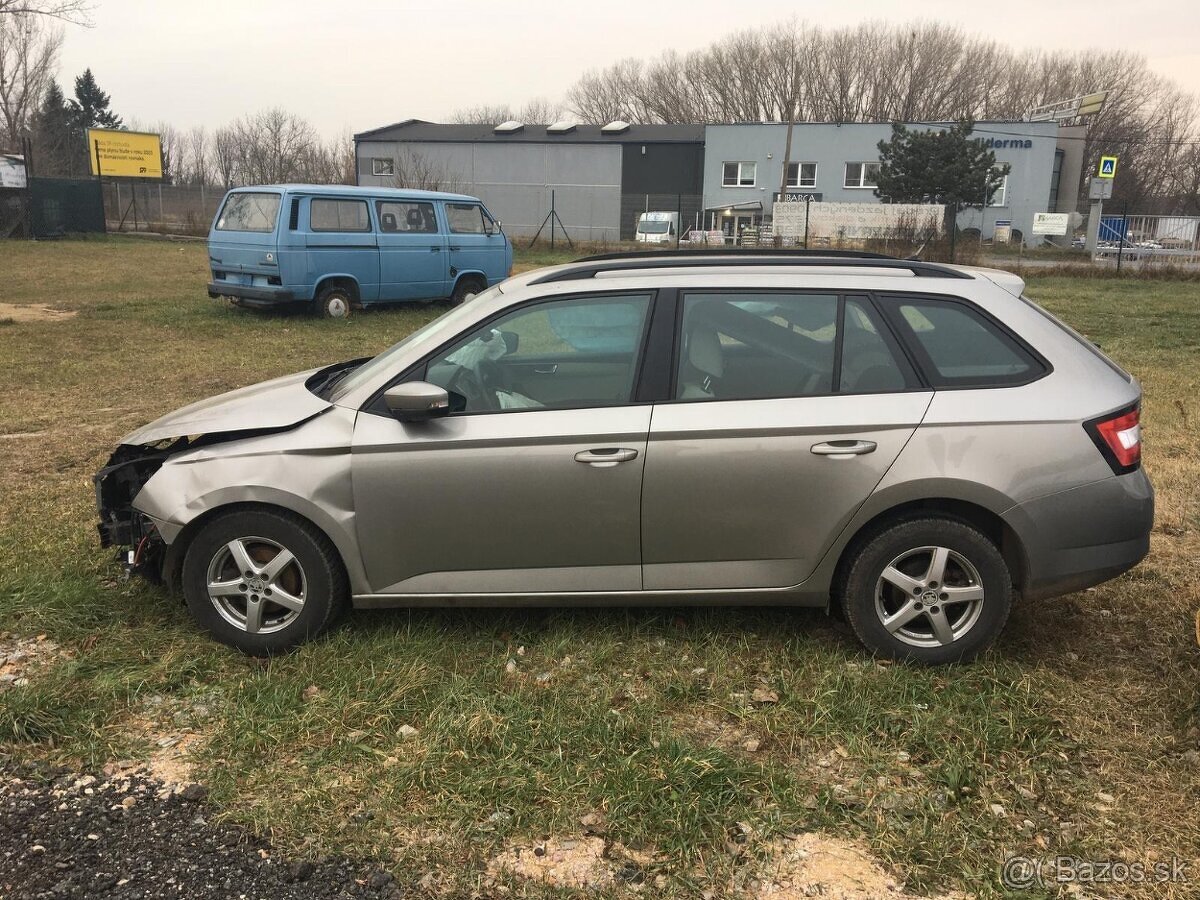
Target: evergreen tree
58	142
944	166
91	104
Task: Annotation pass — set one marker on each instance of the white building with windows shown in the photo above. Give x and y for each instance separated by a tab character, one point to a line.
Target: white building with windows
839	163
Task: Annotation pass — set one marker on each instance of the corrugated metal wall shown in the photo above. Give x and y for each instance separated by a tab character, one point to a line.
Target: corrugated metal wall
515	180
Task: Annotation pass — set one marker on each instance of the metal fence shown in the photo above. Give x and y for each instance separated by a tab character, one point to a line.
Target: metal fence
166	208
1150	239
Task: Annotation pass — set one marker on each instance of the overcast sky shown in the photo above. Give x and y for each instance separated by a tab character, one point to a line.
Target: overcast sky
350	66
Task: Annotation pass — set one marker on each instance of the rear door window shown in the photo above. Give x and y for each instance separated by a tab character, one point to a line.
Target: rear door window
339	215
747	346
406	217
249	212
958	346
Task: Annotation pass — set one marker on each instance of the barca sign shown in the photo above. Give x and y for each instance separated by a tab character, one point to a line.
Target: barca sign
124	154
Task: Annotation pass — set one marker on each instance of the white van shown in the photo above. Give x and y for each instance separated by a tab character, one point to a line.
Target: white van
657	228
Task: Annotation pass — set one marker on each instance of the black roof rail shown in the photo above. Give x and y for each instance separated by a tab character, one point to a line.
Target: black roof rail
590	266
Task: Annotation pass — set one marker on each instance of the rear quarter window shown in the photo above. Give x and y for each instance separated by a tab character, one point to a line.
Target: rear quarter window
249	212
958	346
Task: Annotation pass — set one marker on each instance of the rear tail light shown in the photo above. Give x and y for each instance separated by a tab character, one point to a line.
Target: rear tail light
1118	436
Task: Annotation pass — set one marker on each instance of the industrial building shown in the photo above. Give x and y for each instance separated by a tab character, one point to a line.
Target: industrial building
599	178
836	163
718	177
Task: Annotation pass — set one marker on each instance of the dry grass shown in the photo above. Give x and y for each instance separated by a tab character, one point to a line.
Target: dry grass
1081	728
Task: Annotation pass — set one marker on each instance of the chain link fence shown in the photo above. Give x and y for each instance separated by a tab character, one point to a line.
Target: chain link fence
163	208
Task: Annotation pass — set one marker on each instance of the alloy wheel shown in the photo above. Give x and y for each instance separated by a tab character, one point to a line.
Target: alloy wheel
256	585
929	596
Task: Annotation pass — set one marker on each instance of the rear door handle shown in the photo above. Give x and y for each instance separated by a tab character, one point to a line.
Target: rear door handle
435	249
545	370
456	248
843	449
605	457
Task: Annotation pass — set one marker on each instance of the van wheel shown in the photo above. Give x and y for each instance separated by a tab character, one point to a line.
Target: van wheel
263	580
333	302
466	288
928	590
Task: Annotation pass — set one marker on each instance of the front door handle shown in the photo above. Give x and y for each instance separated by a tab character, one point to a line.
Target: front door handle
606	457
435	249
456	248
843	449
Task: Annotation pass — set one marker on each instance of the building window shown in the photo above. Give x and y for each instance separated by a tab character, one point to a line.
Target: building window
381	166
738	174
1000	198
862	174
802	175
1055	177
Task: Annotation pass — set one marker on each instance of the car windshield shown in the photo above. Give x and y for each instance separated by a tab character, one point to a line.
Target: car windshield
388	361
653	227
249	212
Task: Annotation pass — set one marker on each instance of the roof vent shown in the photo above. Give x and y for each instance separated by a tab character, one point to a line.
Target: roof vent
615	127
560	127
509	127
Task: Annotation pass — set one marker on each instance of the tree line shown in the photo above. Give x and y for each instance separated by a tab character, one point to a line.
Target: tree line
925	72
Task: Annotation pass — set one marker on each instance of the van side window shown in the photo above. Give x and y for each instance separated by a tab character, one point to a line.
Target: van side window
406	217
339	215
465	218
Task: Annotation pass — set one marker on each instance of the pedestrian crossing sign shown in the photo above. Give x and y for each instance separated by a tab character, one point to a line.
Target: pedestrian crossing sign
1108	167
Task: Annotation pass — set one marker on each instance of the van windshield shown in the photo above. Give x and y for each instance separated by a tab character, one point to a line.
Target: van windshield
653	227
249	212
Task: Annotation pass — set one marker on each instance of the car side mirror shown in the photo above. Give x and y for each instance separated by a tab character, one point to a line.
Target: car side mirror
417	401
512	341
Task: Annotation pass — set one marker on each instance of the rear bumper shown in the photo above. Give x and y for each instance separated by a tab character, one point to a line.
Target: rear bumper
252	296
1081	537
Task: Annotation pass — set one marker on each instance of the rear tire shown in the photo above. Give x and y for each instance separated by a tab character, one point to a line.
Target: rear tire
929	590
466	288
334	302
263	580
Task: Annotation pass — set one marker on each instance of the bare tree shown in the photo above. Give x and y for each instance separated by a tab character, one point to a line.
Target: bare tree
78	12
537	111
422	171
225	156
28	56
199	166
273	146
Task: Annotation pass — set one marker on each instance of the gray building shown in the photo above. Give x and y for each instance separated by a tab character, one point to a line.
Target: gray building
743	168
600	178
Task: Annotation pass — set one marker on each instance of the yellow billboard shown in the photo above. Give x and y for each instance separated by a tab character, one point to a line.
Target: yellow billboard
124	154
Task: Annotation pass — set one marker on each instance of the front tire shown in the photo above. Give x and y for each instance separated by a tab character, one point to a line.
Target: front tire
929	590
263	580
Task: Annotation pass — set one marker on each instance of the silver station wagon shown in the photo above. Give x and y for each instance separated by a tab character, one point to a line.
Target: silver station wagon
910	443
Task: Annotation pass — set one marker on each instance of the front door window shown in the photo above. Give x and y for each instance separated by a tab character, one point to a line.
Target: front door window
561	354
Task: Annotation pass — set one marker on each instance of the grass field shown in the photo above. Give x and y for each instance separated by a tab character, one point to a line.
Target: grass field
693	737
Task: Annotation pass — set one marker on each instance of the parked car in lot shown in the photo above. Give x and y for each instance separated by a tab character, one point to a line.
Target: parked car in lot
907	441
335	247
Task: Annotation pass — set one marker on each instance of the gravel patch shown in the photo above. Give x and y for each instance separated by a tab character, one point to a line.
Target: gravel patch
122	836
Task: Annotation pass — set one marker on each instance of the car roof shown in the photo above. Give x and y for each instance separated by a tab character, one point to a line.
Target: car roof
351	190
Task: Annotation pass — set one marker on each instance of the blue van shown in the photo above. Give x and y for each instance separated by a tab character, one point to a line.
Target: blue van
335	247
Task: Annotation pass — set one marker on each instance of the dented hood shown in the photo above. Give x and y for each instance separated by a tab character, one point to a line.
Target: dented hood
279	403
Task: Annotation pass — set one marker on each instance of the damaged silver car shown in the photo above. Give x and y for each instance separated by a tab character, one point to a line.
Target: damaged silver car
909	442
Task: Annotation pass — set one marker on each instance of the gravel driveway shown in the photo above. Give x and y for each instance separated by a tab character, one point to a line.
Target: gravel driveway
67	835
